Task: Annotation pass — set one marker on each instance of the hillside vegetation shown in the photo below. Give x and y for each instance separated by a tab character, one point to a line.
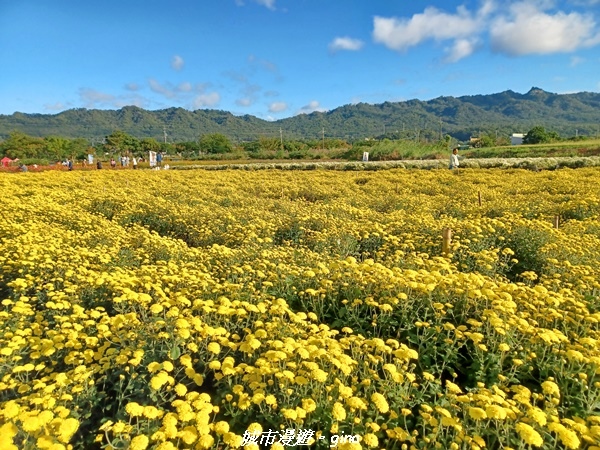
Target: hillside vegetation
501	114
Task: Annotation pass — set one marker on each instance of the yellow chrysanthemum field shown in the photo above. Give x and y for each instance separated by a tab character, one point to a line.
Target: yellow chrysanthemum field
196	309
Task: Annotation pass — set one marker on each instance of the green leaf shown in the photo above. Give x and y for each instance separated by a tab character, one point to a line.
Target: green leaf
175	352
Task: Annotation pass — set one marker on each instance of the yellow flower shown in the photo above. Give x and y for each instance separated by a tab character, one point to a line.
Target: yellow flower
477	413
151	412
139	443
380	402
206	441
214	347
290	414
67	429
134	409
180	389
528	434
11	409
551	388
255	428
568	437
537	415
339	413
221	427
428	376
309	405
453	388
188	435
495	412
503	347
31	424
370	440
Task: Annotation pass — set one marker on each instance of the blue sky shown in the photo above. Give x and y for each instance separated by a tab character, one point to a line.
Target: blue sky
278	58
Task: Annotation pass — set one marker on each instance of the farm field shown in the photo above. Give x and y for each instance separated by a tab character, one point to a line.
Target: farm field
213	309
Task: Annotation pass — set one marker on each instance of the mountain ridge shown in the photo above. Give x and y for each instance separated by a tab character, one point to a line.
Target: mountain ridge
504	112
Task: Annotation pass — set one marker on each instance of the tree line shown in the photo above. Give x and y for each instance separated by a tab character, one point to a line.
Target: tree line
56	148
118	143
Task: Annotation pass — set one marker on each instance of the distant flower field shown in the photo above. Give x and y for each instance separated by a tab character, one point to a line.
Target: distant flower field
196	309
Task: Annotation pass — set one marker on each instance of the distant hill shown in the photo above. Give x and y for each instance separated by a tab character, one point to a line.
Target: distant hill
461	117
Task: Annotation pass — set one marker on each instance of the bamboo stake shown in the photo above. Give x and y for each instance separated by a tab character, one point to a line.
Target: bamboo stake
446	240
479	197
556	221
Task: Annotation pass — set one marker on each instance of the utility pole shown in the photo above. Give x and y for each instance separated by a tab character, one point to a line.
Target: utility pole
281	137
165	133
323	137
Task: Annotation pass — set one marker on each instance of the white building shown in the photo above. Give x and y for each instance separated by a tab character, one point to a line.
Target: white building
517	139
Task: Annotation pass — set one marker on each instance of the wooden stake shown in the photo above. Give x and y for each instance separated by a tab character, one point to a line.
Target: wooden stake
446	240
479	197
556	221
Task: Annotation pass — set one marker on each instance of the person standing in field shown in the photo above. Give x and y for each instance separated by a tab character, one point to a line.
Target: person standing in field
454	159
135	162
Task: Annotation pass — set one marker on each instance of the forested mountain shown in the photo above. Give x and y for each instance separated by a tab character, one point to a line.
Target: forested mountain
503	113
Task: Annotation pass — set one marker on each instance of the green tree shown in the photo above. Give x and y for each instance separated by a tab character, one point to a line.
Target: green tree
215	143
487	140
120	142
79	148
19	145
149	145
57	147
187	149
539	135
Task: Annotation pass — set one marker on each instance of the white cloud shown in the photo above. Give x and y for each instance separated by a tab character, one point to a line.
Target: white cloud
277	107
132	87
184	89
461	48
576	60
92	98
518	28
245	101
163	90
401	34
268	3
345	43
207	100
58	106
527	29
262	63
312	106
186	86
177	62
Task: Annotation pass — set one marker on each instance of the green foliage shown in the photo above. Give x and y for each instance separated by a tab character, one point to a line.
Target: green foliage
149	145
539	135
215	143
506	112
53	148
121	142
21	146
